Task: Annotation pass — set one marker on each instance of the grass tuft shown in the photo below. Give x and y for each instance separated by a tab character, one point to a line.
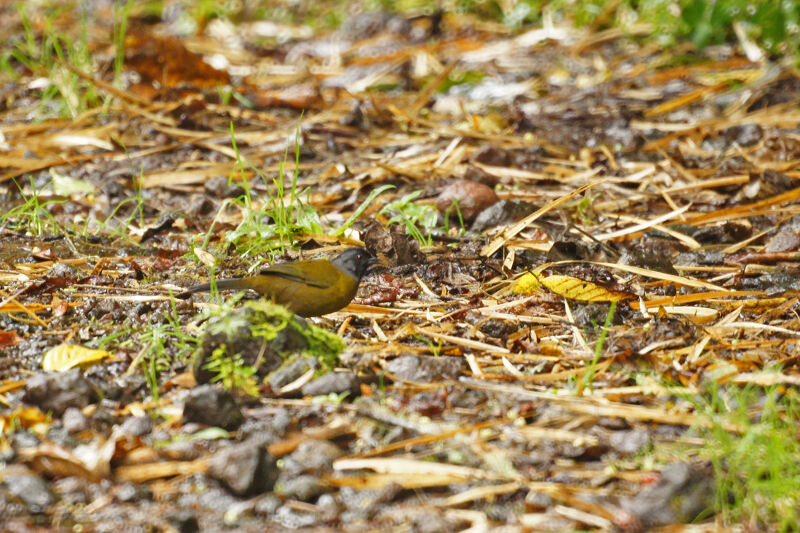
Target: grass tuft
757	470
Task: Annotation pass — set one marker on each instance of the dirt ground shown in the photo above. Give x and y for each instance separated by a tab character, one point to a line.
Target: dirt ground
584	311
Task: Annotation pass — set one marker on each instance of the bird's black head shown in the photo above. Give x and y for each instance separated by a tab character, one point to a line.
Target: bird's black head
354	261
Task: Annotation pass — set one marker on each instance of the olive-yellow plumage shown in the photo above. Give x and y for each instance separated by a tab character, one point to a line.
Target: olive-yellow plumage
308	288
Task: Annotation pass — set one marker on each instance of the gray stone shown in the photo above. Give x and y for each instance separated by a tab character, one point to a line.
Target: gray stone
74	420
302	488
213	406
245	468
312	456
682	493
56	391
332	382
425	369
30	489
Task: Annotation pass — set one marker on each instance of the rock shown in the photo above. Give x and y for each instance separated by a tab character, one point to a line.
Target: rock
491	327
181	450
63	270
650	258
304	487
568	250
28	488
219	187
395	245
264	335
184	521
24	439
295	519
682	493
198	205
471	197
785	240
312	456
61	437
72	491
502	212
164	223
536	501
701	257
56	391
777	281
74	420
245	469
235	334
281	420
629	442
473	173
588	316
744	135
728	232
425	369
329	506
359	362
136	426
213	406
417	519
263	430
362	504
267	504
291	371
105	415
332	382
131	493
492	155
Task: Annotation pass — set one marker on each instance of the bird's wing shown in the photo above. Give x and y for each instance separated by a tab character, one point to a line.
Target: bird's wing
320	274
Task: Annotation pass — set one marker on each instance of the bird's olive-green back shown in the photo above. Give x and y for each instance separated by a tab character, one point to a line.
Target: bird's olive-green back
308	288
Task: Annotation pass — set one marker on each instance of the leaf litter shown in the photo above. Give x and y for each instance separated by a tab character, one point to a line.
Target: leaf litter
464	398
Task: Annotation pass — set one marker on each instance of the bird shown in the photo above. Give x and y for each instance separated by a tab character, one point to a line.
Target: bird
307	288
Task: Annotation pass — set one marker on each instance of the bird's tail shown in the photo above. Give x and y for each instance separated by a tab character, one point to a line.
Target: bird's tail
221	284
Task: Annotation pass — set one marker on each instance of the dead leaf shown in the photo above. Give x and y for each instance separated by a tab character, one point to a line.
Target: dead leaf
66	356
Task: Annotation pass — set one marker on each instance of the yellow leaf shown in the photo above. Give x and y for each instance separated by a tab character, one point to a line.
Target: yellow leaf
68	356
206	258
568	287
527	284
577	289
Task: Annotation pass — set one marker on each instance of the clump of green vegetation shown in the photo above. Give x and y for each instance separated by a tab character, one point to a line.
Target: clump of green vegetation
757	468
322	344
276	224
418	219
584	210
232	371
120	227
161	347
361	208
53	53
454	211
240	345
32	214
773	24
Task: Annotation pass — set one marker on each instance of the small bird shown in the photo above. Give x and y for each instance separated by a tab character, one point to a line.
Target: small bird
308	288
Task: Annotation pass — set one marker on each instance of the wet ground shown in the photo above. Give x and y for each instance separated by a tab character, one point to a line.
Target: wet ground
459	398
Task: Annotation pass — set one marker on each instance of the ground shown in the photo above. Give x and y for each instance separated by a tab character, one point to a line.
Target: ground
584	314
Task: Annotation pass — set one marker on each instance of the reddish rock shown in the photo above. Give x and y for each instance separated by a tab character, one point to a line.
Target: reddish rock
472	198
